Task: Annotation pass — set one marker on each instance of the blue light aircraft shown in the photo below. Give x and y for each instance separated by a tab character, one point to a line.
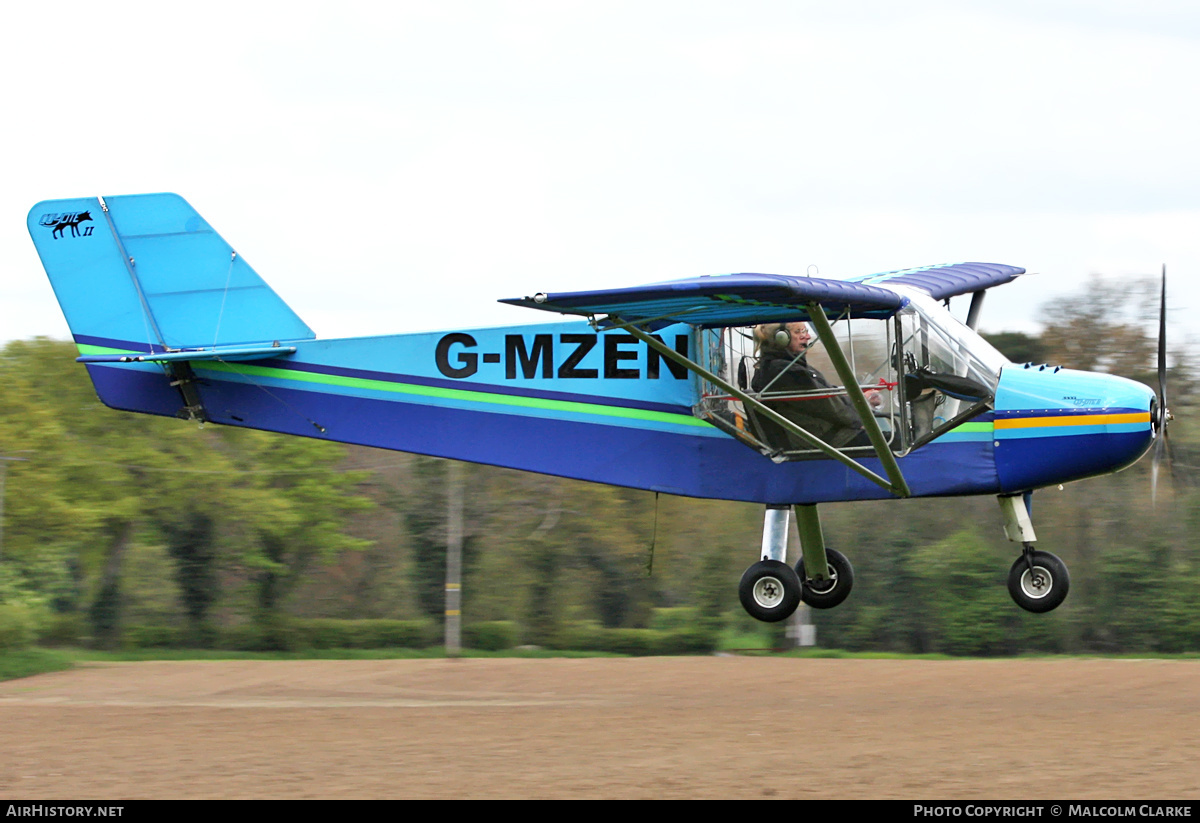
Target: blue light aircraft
686	387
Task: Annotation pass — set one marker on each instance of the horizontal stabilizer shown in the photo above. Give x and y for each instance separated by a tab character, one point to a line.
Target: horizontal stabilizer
233	354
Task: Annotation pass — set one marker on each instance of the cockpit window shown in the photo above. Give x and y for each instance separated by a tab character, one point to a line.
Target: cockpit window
922	372
949	370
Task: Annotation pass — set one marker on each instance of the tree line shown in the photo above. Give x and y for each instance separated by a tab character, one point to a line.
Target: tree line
114	522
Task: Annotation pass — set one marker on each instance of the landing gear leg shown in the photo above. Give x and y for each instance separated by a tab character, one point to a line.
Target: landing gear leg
1038	581
770	589
826	576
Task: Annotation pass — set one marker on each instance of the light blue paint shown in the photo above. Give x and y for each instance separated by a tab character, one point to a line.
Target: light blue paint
1035	389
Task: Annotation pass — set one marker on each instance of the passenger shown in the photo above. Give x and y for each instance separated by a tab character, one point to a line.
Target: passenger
783	367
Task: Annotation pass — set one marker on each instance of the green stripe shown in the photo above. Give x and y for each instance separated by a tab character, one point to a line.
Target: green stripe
462	395
84	349
973	427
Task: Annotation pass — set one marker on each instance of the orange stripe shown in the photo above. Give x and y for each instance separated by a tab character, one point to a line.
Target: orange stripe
1081	420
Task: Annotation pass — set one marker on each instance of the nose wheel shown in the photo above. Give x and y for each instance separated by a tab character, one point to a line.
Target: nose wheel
1038	581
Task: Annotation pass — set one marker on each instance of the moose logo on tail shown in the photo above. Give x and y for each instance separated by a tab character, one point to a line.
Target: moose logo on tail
60	222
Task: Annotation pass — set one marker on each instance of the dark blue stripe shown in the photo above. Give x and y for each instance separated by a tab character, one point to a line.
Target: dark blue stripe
706	467
1030	463
1018	414
88	340
389	377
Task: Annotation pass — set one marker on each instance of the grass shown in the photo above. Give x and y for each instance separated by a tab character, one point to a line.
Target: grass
15	663
434	653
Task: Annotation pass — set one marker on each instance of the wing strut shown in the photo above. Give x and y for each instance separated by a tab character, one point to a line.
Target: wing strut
896	485
976	308
857	399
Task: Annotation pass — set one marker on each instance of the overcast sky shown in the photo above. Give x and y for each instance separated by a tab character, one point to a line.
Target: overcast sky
400	166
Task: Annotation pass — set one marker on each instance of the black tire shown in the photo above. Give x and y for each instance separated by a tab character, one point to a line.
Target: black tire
827	593
769	591
1045	588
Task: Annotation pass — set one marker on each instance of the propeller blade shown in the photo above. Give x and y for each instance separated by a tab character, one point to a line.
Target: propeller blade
1159	446
1162	345
1162	449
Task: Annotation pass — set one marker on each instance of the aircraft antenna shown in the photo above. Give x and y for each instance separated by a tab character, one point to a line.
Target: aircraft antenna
653	539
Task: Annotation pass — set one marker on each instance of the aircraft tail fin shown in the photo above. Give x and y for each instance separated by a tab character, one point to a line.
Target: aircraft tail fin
146	273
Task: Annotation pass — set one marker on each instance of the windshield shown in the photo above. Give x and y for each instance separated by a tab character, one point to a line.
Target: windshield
959	338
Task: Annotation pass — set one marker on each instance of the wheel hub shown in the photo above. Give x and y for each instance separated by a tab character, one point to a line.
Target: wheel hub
1037	582
768	592
825	585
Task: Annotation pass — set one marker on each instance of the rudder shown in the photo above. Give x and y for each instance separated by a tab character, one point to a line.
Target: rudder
147	272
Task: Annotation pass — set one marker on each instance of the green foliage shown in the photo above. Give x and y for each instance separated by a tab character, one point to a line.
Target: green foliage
965	577
589	636
104	615
23	609
365	634
309	507
16	663
710	587
96	486
131	530
18	625
493	636
191	542
271	635
1018	347
674	619
292	634
422	503
543	617
154	637
63	629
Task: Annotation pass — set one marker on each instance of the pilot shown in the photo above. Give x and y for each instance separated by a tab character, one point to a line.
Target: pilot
783	367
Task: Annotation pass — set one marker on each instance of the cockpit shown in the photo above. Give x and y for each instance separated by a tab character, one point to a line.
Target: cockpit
922	371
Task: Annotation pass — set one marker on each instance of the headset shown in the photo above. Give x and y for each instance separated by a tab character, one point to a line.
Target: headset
774	336
781	336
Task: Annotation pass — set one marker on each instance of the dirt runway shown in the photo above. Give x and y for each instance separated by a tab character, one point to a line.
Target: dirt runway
720	727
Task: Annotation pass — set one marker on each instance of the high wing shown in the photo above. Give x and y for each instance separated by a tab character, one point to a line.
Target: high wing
947	280
724	300
747	299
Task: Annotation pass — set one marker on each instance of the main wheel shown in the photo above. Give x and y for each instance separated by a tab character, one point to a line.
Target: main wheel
1042	588
769	591
825	594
